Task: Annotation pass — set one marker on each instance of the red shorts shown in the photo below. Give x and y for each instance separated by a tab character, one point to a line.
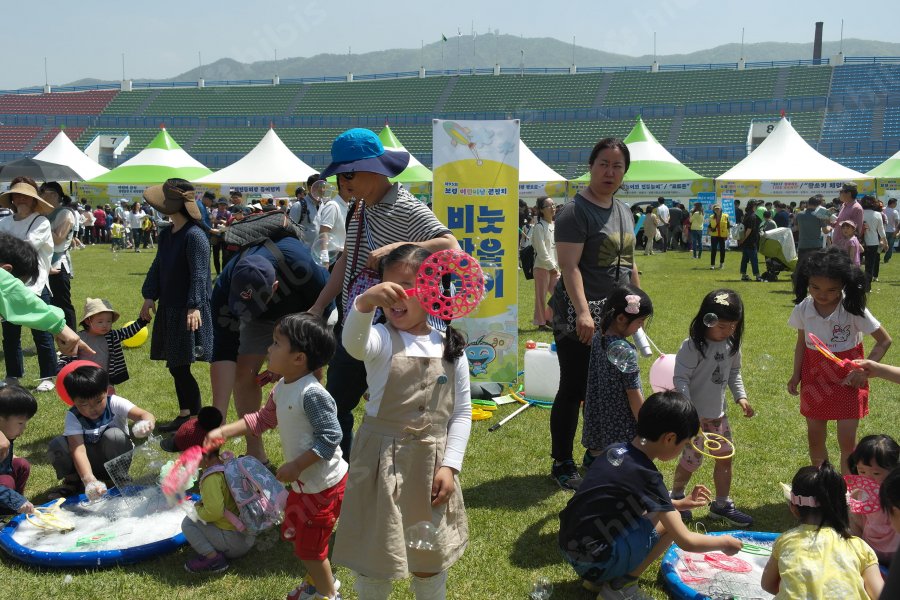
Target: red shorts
312	518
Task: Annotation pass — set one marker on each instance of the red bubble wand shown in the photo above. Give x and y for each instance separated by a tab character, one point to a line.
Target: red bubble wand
469	280
823	348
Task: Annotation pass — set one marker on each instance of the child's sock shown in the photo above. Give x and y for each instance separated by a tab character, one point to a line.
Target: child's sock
430	588
369	588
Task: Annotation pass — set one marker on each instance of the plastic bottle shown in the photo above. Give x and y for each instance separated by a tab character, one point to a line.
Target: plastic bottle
541	371
642	343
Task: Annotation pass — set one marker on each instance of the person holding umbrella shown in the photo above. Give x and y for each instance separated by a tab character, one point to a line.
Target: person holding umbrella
29	223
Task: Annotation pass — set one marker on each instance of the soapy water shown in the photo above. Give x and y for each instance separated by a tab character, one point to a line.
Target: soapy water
112	524
701	575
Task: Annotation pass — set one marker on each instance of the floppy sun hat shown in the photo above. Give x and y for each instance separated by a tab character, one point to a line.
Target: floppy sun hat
26	189
168	199
360	150
95	306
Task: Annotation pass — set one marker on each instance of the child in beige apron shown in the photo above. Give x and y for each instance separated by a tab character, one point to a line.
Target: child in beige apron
396	453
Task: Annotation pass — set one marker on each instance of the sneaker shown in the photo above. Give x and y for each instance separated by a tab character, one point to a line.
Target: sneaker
759	279
588	459
746	277
172	425
712	267
46	385
566	475
11	381
202	564
686	515
630	591
307	591
721	265
731	514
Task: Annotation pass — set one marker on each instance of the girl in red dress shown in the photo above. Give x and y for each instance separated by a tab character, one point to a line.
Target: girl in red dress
835	311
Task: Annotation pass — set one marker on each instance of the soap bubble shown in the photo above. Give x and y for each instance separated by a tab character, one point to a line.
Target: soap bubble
488	269
541	589
623	356
289	533
325	250
616	455
199	352
421	536
322	191
710	319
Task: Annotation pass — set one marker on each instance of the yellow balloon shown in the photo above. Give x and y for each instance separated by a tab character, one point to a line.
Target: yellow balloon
138	339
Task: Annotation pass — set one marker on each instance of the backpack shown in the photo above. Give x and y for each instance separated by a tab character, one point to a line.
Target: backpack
259	496
255	230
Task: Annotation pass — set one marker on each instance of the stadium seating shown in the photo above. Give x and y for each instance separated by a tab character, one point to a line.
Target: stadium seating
216	101
808	81
847	125
892	122
711	168
72	132
644	88
140	137
13	139
733	129
127	103
861	163
584	134
513	93
68	103
372	97
866	79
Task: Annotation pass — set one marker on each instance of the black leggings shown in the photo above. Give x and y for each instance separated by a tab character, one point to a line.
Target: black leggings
716	242
186	389
574	358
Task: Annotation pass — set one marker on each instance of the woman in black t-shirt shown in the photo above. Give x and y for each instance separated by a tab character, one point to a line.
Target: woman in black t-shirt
595	246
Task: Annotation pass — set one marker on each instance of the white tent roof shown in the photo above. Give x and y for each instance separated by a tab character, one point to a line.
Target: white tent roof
785	156
63	151
269	162
532	169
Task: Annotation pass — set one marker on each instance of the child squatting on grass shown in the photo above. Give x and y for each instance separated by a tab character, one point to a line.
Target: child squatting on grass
17	407
622	519
96	431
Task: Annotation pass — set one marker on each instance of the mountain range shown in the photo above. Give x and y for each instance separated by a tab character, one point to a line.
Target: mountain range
485	50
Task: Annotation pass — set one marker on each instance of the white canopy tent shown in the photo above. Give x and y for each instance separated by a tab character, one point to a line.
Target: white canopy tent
536	178
271	164
63	151
785	165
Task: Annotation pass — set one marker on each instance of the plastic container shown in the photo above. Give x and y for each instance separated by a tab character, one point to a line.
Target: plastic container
541	371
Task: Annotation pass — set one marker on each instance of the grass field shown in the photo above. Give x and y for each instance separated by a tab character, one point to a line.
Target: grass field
512	503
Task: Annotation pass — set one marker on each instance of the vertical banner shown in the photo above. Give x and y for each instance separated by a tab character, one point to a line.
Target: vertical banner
475	193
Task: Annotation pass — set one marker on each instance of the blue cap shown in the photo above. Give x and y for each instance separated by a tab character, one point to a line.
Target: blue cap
360	149
252	280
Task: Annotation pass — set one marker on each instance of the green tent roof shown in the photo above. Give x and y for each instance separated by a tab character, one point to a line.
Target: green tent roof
162	159
414	173
889	169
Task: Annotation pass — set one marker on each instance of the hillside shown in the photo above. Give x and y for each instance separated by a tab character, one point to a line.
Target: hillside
507	51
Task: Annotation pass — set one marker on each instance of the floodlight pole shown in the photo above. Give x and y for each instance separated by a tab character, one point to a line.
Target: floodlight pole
123	66
742	42
46	78
841	48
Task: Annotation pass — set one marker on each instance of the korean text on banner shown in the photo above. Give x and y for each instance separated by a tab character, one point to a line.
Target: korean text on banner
475	192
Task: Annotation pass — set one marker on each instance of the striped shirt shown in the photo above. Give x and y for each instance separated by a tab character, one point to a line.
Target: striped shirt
398	217
108	350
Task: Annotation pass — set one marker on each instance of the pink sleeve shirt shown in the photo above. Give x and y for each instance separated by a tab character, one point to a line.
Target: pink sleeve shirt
264	419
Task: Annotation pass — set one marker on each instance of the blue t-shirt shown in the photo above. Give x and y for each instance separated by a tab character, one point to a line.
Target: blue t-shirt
613	497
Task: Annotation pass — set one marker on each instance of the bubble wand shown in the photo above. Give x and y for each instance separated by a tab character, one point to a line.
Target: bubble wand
713	442
49	517
181	476
823	348
431	294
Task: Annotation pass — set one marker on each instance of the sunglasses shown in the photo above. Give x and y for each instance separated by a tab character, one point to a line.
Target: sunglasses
348	176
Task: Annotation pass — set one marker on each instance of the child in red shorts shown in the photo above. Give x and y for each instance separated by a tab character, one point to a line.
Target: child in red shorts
306	417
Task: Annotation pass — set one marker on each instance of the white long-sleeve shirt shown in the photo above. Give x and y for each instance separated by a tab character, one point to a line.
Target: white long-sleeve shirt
34	229
875	232
372	345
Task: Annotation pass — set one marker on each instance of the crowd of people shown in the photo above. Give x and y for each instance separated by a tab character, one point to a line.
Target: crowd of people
269	305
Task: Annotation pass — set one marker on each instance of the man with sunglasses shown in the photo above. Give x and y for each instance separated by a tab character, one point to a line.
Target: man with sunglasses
384	216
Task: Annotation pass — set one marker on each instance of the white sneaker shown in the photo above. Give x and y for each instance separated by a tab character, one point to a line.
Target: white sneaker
46	385
629	592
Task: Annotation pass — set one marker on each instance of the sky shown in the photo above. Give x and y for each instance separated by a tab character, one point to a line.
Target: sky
161	39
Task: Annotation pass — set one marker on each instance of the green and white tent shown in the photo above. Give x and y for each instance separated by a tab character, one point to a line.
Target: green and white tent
654	171
887	178
416	177
162	159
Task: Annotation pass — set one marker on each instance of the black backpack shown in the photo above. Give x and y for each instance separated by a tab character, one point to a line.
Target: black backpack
255	230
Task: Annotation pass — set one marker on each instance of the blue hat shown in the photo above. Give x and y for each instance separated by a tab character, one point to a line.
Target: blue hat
360	150
252	280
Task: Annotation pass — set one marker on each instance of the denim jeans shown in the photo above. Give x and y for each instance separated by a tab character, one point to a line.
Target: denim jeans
696	242
751	255
890	243
43	342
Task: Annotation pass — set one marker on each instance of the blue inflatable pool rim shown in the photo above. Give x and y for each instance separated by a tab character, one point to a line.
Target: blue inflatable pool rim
88	559
680	590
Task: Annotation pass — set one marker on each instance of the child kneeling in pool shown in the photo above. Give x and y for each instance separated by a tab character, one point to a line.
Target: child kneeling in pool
621	519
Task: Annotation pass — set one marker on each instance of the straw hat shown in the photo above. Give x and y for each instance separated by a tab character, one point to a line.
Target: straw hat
26	189
168	199
95	306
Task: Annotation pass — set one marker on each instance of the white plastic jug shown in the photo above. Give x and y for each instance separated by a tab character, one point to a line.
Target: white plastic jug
541	371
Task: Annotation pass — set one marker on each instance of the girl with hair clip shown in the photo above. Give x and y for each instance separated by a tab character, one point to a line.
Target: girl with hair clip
614	395
708	362
179	279
820	558
875	457
409	449
835	311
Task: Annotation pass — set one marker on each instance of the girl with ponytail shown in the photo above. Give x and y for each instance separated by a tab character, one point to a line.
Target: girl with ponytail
820	558
409	449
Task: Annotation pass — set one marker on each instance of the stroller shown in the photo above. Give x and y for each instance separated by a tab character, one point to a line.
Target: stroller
777	246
